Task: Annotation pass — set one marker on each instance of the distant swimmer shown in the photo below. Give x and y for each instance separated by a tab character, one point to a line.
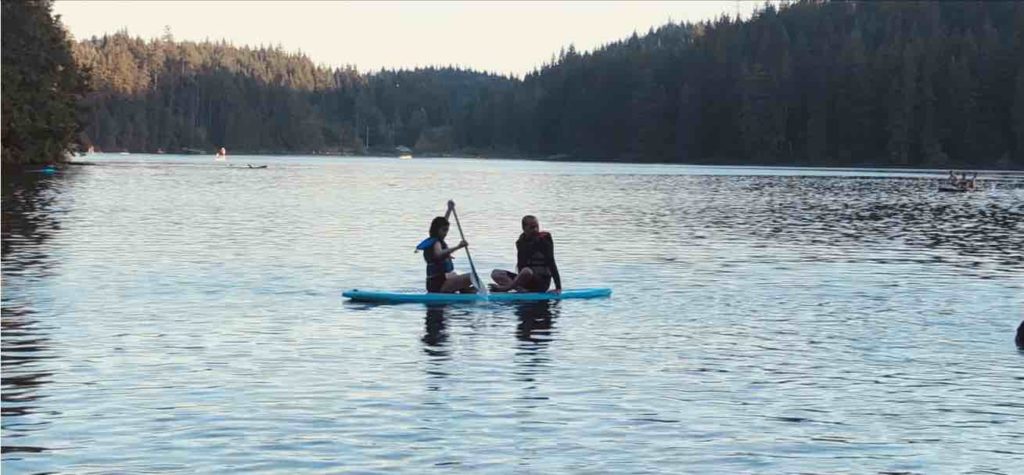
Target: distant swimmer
222	154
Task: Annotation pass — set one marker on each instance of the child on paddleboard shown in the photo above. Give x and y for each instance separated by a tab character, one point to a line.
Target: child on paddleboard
441	275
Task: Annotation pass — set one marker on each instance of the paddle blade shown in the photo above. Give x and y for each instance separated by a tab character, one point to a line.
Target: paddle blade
480	287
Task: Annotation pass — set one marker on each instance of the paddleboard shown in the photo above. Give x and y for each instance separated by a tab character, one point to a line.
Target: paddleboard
375	296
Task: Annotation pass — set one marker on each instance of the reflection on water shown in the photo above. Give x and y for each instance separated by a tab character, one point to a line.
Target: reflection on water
170	314
887	216
894	213
436	333
29	222
25	349
535	331
536	320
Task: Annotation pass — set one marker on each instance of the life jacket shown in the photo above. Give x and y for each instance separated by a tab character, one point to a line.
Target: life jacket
435	267
534	257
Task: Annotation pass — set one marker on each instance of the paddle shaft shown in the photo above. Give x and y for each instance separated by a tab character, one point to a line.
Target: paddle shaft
476	278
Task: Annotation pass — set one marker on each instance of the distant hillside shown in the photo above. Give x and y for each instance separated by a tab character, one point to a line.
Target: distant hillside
167	95
935	84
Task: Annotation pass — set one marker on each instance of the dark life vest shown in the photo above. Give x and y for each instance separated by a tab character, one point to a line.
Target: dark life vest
535	253
435	265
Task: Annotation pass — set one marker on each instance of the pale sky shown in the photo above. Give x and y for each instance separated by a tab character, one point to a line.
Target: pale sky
499	37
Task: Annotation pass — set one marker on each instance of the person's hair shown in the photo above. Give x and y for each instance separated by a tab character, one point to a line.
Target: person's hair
436	225
527	218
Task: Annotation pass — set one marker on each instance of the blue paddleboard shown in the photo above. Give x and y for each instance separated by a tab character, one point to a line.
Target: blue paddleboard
374	296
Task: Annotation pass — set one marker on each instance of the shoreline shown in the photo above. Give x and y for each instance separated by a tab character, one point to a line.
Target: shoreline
563	158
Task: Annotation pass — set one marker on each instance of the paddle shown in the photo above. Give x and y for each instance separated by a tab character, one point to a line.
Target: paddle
476	278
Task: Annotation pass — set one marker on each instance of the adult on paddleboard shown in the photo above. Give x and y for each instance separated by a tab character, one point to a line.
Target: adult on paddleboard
535	262
441	275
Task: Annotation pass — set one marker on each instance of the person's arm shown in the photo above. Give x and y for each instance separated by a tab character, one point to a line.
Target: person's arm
552	266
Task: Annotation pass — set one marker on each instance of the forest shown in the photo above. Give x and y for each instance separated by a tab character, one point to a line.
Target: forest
900	84
42	86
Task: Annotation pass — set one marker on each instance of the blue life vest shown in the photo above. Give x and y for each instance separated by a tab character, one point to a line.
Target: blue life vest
433	266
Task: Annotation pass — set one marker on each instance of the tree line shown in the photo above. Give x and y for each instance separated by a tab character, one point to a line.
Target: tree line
173	96
914	84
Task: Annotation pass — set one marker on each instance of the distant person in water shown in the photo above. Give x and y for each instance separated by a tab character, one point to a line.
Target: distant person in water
953	180
963	183
535	262
441	275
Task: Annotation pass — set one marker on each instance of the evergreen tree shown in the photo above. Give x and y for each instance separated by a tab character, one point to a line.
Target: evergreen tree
41	85
818	83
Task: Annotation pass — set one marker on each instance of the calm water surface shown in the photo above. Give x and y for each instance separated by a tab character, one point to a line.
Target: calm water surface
175	314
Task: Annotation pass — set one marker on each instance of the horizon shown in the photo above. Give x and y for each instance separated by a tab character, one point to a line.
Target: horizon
397	35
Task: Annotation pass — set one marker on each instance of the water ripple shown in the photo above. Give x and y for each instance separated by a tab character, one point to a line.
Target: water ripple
170	314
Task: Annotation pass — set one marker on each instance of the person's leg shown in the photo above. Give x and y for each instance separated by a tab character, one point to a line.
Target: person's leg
501	278
456	283
519	282
434	283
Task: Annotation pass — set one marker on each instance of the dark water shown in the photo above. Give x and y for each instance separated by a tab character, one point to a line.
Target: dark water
173	314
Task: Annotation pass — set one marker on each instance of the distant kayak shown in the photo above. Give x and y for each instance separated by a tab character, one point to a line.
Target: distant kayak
373	296
47	170
953	189
248	167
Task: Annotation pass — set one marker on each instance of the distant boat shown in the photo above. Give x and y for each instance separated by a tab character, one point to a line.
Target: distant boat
404	152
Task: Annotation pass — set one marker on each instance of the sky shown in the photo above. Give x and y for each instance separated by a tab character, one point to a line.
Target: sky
499	37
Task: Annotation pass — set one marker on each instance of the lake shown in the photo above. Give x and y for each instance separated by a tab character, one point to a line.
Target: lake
178	314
